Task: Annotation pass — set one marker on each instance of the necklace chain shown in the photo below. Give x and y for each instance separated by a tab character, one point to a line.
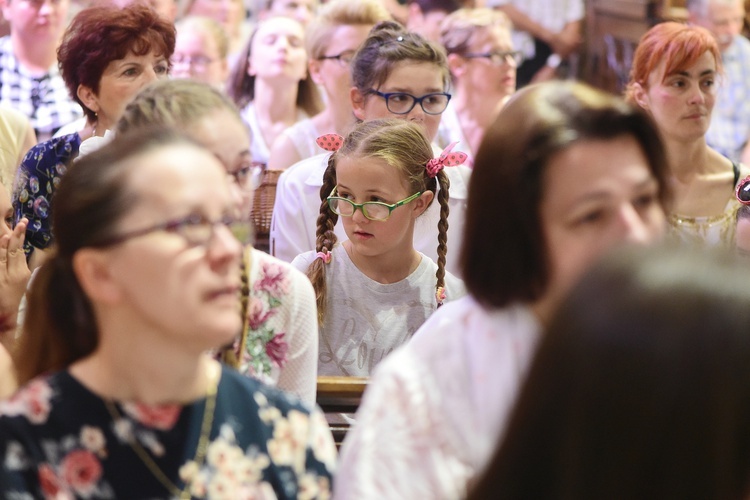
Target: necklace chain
200	452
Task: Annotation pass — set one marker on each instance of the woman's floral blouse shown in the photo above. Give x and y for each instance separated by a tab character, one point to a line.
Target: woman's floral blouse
58	440
35	183
282	323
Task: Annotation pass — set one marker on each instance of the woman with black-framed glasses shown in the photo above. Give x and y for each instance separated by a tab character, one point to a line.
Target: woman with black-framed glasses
118	380
483	66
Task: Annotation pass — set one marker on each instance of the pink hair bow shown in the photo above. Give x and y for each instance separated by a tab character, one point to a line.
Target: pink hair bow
330	142
446	159
440	295
324	256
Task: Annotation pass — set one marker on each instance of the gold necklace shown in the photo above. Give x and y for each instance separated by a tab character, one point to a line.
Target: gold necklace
200	452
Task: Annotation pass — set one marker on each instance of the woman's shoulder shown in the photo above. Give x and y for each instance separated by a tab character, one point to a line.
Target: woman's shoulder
59	149
34	404
250	392
277	276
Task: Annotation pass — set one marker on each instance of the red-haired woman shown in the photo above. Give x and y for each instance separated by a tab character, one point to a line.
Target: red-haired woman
674	78
107	55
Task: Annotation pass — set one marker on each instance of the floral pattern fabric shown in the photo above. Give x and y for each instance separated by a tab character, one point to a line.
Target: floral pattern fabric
35	183
281	346
59	440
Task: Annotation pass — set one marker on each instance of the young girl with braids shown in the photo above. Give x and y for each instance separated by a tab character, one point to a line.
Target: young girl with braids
374	289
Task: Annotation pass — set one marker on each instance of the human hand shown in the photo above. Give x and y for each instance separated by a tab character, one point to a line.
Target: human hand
14	275
565	42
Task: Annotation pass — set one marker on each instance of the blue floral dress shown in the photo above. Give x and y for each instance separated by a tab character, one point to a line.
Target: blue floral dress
60	440
35	183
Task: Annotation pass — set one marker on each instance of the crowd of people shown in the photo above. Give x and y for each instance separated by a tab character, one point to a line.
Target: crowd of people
209	204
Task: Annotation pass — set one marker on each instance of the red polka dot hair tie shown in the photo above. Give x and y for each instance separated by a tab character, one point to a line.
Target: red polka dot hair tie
446	159
330	142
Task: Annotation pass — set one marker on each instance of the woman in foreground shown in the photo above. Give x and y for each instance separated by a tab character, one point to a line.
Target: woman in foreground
565	174
145	280
644	395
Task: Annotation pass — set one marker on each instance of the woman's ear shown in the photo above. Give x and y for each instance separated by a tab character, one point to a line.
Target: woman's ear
422	202
88	97
640	96
91	268
314	68
358	103
457	65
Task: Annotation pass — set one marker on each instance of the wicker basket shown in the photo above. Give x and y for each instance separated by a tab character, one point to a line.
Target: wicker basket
265	195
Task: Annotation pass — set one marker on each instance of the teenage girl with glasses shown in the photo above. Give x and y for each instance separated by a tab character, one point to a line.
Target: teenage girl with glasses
380	181
395	74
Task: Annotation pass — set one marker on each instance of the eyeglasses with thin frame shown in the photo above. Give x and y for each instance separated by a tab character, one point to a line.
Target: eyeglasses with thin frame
401	103
243	175
196	230
498	58
373	210
344	58
199	62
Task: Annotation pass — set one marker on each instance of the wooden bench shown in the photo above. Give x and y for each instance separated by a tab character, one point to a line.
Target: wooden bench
336	395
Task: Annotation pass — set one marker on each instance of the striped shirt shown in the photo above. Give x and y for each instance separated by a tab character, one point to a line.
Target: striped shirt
730	121
43	99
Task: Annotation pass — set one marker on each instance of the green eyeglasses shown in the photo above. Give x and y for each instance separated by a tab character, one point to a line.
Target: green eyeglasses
373	210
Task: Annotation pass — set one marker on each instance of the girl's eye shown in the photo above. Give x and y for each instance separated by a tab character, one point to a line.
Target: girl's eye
9	222
161	68
270	39
431	100
398	98
295	42
130	72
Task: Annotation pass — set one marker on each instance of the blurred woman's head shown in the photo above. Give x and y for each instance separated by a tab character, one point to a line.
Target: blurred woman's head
392	70
275	54
480	51
141	238
333	38
201	51
674	78
564	173
228	13
639	387
108	54
208	117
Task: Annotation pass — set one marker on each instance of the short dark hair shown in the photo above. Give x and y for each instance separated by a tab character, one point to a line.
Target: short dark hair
505	256
639	388
388	44
99	35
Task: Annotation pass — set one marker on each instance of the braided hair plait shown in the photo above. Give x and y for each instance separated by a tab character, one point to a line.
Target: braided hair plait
232	354
325	238
442	249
